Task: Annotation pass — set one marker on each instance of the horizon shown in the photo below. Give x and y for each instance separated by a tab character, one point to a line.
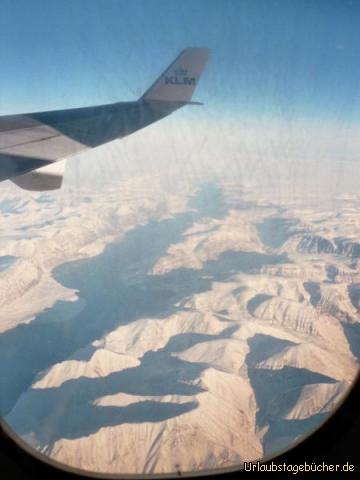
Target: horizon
280	90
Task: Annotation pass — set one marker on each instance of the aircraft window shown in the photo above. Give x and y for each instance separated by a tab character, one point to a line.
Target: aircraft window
179	283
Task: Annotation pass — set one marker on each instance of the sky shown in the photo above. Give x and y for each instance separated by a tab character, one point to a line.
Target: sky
285	72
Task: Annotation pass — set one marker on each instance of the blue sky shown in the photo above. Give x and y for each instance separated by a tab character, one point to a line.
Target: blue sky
284	57
281	91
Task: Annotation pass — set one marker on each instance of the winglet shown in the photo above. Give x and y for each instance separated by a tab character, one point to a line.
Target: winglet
178	82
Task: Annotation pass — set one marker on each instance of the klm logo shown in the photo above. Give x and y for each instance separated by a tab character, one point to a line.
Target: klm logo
180	80
179	77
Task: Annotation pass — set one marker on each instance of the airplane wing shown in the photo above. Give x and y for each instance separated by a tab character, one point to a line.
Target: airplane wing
30	142
49	177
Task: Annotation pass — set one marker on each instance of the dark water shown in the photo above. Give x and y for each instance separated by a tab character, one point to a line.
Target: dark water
209	202
116	289
6	261
274	231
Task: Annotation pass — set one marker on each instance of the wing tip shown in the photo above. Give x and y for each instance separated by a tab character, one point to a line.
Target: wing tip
179	80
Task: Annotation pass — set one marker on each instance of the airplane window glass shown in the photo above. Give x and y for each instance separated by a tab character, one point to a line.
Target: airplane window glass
180	228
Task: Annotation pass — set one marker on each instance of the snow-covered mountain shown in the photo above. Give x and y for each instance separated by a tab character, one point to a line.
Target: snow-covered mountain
146	330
